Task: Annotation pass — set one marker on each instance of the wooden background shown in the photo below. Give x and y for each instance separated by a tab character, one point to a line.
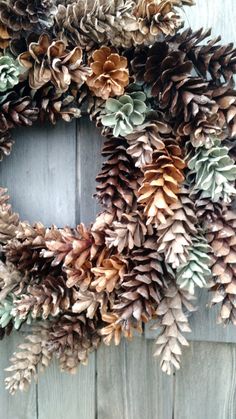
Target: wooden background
50	176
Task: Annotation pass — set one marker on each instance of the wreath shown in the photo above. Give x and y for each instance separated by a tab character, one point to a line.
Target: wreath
165	101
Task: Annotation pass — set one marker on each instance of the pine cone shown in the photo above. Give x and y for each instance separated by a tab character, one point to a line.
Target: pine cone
127	233
210	58
226	101
205	209
49	298
176	234
6	143
161	184
173	321
213	172
27	15
118	180
49	60
54	105
32	355
109	272
140	291
110	74
124	113
16	110
221	237
169	73
96	22
145	139
115	328
196	271
8	220
155	18
10	72
72	338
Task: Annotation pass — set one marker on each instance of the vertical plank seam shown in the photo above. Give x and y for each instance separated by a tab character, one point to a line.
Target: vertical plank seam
37	400
78	177
229	406
173	395
125	381
96	387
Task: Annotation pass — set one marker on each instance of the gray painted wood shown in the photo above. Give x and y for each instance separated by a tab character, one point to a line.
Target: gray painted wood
205	386
130	384
22	405
40	173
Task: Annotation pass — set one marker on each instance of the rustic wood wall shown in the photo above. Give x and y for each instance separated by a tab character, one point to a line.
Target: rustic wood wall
50	176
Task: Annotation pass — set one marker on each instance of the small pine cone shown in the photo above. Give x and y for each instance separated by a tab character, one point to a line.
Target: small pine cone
115	328
87	302
10	278
108	272
221	235
212	172
196	271
54	105
6	143
205	210
175	235
140	291
24	251
161	183
27	15
201	131
225	99
51	61
16	110
72	339
110	74
67	246
79	277
127	233
146	139
32	355
118	181
155	19
49	298
8	220
173	320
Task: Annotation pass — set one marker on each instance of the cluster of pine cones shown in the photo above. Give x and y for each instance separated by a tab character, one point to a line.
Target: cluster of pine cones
165	101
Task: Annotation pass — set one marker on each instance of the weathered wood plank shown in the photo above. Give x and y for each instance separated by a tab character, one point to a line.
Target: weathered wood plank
206	383
21	405
130	385
75	394
40	173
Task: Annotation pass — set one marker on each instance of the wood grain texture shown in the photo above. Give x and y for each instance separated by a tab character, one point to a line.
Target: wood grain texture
65	393
40	174
205	386
130	384
22	405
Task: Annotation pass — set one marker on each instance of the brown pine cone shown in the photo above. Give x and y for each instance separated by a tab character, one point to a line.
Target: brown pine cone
27	15
155	18
118	180
172	318
110	74
127	233
221	235
50	61
6	143
201	131
54	105
146	139
140	292
9	220
161	183
175	235
16	110
108	272
213	58
49	298
5	36
225	98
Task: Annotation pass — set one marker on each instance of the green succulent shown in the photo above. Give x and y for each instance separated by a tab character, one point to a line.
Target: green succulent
213	172
196	271
124	113
9	73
